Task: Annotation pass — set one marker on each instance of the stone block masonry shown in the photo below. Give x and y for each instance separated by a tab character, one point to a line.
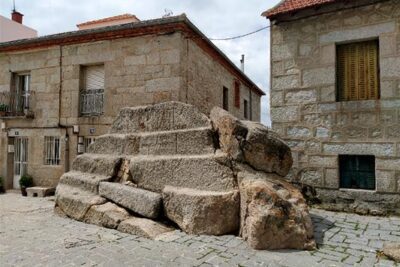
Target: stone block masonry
318	128
142	65
230	186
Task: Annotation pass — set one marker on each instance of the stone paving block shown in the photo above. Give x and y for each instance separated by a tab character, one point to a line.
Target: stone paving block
57	241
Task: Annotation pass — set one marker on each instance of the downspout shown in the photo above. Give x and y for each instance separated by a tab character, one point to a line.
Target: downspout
270	70
187	69
66	153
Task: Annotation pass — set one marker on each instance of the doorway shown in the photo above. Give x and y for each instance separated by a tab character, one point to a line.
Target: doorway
20	159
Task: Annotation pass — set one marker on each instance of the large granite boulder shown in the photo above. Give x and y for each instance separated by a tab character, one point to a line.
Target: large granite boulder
392	251
170	162
252	143
274	214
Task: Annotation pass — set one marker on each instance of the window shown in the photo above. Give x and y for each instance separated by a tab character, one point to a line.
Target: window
84	143
358	71
237	94
357	172
225	98
92	91
52	150
20	95
87	141
245	109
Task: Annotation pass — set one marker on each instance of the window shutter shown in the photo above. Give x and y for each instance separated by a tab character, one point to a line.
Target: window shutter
353	56
372	52
357	71
341	74
94	77
237	94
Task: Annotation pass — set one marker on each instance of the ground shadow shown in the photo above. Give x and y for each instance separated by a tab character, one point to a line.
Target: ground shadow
321	225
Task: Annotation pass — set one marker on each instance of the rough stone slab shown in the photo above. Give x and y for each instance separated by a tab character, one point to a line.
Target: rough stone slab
265	151
191	141
108	215
75	202
85	181
143	227
160	117
208	172
274	214
116	144
97	164
38	191
202	212
143	202
184	142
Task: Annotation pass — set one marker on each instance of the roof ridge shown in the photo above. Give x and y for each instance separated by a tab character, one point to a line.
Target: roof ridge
107	19
288	6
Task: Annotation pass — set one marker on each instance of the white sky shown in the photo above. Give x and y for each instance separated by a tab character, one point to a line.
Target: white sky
215	18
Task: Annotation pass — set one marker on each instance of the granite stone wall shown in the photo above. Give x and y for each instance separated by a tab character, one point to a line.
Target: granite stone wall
306	114
138	71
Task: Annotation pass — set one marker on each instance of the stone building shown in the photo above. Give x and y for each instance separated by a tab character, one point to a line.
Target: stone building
335	98
61	91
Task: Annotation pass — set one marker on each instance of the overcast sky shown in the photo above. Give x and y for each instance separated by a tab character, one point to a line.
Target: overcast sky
215	18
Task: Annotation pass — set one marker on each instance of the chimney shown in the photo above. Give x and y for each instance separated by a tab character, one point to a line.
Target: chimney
242	64
16	16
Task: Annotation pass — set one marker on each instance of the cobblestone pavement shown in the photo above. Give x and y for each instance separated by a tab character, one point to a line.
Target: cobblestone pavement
32	235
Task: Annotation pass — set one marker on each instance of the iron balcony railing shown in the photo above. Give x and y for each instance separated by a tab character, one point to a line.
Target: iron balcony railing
91	102
12	104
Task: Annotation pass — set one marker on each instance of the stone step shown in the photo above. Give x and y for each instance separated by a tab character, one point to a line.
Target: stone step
142	202
106	165
185	142
143	227
75	202
160	117
108	215
208	172
202	212
38	191
85	181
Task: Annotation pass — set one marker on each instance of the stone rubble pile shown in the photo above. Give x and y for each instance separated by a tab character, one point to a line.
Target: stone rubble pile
169	165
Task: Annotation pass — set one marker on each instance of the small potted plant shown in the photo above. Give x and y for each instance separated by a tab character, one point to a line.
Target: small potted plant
2	190
25	182
3	110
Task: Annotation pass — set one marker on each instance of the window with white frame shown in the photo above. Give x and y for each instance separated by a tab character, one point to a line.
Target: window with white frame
52	150
92	90
87	141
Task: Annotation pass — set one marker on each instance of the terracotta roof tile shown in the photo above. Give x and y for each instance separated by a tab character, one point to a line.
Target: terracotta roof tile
119	17
288	6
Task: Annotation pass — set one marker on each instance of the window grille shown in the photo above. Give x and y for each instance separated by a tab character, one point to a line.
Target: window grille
225	98
245	109
357	172
358	71
52	150
87	141
237	94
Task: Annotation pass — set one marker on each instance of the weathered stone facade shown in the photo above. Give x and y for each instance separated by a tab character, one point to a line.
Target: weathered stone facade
144	63
318	128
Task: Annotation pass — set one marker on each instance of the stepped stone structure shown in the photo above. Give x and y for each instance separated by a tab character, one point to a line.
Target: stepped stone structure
169	165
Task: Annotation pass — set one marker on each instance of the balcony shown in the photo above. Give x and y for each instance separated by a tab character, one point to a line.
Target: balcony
15	105
91	102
